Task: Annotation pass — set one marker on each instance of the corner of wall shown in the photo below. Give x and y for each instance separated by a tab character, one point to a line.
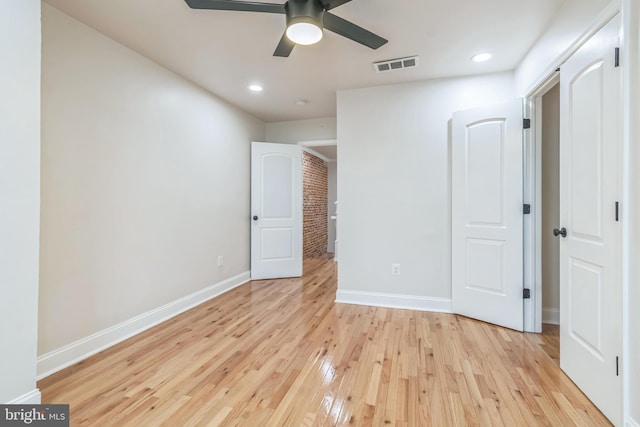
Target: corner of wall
630	422
575	22
20	48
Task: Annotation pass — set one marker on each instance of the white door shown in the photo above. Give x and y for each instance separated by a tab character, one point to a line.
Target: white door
486	174
590	288
276	211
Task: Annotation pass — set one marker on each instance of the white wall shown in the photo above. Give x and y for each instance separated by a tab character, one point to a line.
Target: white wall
19	198
145	182
572	22
332	197
294	131
394	183
550	205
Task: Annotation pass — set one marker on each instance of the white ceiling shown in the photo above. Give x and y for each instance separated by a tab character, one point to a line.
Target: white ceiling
328	151
225	51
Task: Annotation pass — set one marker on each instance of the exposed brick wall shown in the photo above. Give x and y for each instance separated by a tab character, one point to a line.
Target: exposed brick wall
314	173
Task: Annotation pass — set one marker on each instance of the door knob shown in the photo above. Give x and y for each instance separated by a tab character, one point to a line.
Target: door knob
255	217
562	232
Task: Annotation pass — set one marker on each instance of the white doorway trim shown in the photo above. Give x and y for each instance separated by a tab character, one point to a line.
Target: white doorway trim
319	143
532	244
532	176
631	135
308	147
318	155
533	196
332	218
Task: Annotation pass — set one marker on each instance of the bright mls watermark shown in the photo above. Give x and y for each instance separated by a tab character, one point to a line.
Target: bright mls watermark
34	415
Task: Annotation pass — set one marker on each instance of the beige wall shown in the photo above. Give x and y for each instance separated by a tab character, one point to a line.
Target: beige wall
145	182
394	183
295	131
19	197
550	204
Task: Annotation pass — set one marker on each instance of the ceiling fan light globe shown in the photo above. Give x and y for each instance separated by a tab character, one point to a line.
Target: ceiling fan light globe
304	33
481	57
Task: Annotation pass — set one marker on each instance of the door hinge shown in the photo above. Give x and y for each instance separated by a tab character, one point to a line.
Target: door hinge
526	123
617	211
617	366
526	209
617	64
526	293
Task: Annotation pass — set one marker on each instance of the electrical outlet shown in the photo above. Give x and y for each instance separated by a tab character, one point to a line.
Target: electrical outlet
220	261
395	269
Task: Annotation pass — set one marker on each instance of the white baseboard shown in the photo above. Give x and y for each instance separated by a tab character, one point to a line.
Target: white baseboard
407	302
551	316
31	398
630	422
62	357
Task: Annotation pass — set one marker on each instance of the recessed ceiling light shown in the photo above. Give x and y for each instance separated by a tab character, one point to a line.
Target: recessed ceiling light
481	57
255	87
301	102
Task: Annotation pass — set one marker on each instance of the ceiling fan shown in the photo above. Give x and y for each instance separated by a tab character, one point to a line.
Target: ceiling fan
305	21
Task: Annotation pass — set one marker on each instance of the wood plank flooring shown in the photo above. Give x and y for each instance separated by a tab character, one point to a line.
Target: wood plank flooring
282	353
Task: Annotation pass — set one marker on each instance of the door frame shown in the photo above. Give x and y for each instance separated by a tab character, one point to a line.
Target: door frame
533	174
308	147
630	50
532	195
532	140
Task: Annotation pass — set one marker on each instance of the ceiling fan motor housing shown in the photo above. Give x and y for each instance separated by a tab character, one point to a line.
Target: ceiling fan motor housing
306	20
309	11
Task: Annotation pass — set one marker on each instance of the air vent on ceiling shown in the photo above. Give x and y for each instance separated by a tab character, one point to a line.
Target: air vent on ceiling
396	64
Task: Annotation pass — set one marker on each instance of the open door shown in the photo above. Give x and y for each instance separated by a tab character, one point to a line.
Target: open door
276	211
487	209
590	229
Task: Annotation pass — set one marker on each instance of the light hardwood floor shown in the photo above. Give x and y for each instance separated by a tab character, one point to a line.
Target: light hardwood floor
282	353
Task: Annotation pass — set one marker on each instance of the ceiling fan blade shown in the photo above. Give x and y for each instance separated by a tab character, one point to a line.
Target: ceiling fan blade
285	47
330	4
352	31
243	6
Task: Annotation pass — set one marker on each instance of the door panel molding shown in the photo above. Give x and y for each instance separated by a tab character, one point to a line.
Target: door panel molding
276	211
590	255
487	233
